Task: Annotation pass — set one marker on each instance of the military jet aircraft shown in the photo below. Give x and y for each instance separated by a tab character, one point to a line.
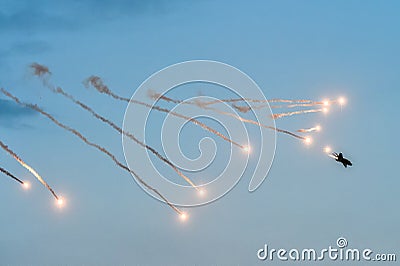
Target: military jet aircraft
339	158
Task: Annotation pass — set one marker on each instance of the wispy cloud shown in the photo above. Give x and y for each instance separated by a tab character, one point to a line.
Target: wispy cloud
30	47
24	19
30	20
39	16
27	47
12	115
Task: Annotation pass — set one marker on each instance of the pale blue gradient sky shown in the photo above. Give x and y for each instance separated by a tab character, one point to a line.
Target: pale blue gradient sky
292	49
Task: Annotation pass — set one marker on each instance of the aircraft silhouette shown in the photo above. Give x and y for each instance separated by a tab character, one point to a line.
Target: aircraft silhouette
339	158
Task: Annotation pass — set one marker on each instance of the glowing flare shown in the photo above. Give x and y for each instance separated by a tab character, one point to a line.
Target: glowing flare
202	192
26	185
318	128
60	202
325	110
60	91
327	149
247	148
19	160
85	140
325	102
183	216
97	83
308	140
342	101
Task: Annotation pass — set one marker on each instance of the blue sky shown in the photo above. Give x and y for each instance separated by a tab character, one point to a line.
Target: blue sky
292	49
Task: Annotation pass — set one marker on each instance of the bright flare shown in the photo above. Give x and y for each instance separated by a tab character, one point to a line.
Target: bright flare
318	128
60	202
86	141
327	149
325	110
325	102
26	185
342	101
183	216
247	148
308	140
20	161
202	192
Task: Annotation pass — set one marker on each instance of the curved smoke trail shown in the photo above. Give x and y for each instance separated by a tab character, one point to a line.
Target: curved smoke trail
98	147
27	167
245	109
296	103
204	106
258	101
60	91
97	83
